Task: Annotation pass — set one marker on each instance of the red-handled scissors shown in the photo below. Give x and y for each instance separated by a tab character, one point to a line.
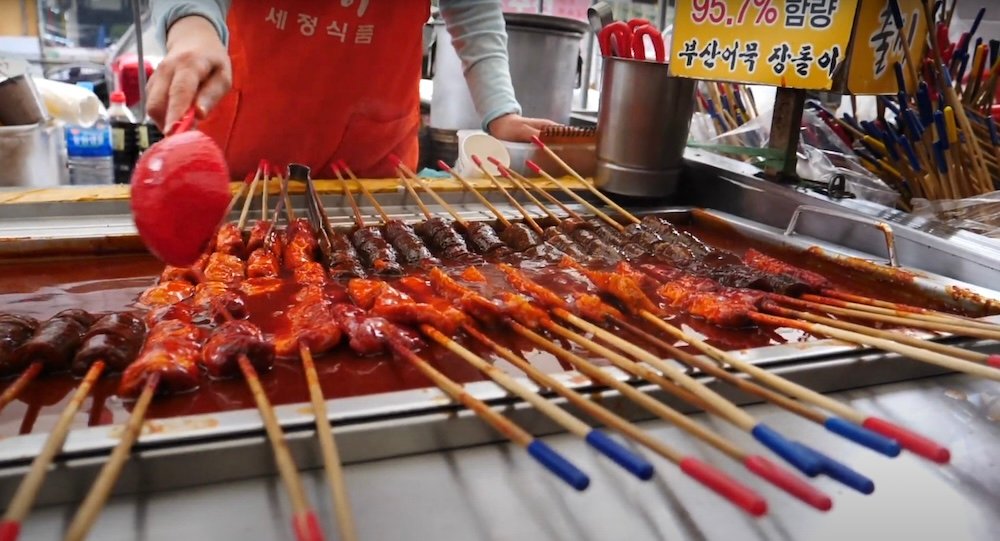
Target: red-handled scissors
625	40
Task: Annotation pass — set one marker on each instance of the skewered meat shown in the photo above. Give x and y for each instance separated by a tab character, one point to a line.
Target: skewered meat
259	235
14	331
54	342
642	237
301	245
229	240
569	225
519	237
181	311
484	240
228	342
667	231
189	274
115	339
166	293
311	323
625	287
344	262
367	334
254	287
218	302
172	349
591	307
408	244
385	301
442	236
557	238
311	273
376	252
772	265
594	247
521	310
466	300
472	274
262	263
527	286
224	268
616	239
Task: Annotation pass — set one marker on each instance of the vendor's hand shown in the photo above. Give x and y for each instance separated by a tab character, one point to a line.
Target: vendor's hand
517	128
196	70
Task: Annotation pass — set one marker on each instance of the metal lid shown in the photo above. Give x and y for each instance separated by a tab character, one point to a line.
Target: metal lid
545	22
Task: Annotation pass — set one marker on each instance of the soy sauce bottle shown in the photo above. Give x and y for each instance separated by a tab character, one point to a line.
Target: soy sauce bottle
124	146
148	134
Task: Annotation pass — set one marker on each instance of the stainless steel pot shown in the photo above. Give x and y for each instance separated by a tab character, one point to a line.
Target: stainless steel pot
642	128
33	155
544	56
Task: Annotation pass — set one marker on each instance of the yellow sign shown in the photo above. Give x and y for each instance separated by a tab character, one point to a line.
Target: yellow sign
789	43
878	45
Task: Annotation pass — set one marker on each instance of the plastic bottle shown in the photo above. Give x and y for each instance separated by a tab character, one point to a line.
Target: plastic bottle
124	144
147	134
88	150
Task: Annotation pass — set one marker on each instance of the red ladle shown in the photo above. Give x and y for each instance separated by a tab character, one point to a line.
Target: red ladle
180	192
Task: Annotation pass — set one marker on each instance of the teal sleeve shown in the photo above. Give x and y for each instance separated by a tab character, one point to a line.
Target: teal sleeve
166	12
480	37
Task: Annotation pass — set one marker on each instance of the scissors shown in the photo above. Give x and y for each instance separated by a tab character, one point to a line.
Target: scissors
626	40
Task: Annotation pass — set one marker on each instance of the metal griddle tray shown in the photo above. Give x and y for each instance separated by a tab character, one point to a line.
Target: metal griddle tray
198	449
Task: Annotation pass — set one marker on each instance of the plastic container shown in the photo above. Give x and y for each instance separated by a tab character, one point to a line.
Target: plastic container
88	151
124	145
479	143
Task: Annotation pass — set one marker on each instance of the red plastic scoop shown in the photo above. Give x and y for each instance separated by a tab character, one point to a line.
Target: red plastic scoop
180	192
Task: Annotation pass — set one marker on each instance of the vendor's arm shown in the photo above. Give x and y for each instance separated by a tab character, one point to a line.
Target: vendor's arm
196	67
478	34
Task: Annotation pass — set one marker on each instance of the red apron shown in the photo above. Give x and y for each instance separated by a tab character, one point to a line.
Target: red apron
315	82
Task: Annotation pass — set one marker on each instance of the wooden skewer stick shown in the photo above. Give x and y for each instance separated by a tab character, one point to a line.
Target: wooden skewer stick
513	200
26	492
304	520
328	446
909	320
743	497
359	220
482	199
440	201
586	204
535	447
364	190
895	309
92	504
909	440
246	203
22	381
505	173
524	181
265	187
612	449
289	211
853	432
919	354
413	193
607	201
902	338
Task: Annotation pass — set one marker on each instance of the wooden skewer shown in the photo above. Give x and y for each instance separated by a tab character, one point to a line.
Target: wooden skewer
413	193
524	181
535	447
22	381
909	440
92	504
507	174
482	199
909	320
902	338
26	492
263	193
444	204
289	211
328	446
607	201
744	497
358	218
364	190
304	520
513	200
586	204
246	203
896	309
919	354
636	465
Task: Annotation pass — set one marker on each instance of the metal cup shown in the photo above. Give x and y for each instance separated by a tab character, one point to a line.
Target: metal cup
20	102
642	128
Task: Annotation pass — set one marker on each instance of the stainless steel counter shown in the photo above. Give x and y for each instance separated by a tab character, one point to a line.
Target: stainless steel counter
496	492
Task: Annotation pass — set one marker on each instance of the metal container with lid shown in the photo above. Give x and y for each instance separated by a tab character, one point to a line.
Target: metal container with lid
544	54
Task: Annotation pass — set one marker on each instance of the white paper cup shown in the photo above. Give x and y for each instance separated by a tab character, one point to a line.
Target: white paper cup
478	143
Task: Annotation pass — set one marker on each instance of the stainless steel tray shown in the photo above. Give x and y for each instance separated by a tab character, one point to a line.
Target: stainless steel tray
192	450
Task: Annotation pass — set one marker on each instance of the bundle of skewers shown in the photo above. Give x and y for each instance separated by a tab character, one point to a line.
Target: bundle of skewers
607	287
